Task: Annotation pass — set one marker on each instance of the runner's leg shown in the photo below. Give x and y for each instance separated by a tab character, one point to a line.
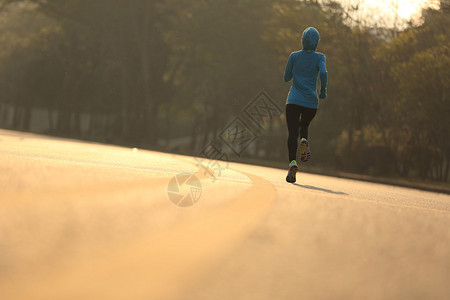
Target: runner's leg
292	120
307	115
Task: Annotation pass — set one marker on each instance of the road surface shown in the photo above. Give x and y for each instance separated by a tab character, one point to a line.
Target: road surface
89	221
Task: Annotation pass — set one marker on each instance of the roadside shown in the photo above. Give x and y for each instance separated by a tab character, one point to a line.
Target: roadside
415	184
436	187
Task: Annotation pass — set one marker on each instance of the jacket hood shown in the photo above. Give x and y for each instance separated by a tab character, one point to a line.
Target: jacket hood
310	39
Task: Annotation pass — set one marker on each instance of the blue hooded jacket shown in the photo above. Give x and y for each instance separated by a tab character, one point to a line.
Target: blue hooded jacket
304	67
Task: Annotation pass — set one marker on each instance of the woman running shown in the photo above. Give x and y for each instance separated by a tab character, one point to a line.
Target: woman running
304	67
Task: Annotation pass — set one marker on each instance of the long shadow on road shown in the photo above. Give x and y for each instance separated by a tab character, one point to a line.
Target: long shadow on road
319	189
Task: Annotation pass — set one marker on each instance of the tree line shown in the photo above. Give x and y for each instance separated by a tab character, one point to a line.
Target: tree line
148	73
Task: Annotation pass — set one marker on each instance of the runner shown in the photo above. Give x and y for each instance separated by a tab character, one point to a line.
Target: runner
304	67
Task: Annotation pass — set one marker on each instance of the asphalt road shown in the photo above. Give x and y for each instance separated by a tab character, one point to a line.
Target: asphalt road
89	221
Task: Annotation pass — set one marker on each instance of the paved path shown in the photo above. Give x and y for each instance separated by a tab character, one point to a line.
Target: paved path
89	221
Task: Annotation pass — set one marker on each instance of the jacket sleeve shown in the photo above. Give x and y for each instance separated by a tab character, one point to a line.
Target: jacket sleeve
323	73
288	70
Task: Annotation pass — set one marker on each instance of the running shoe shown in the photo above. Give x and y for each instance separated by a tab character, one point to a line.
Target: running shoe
293	168
305	153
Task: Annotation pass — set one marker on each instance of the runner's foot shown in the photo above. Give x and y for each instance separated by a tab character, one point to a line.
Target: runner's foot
305	153
293	168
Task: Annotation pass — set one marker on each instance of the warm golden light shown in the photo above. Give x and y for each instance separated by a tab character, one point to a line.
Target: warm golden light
389	13
403	8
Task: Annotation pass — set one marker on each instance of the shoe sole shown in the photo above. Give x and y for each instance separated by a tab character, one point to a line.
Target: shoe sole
291	177
305	154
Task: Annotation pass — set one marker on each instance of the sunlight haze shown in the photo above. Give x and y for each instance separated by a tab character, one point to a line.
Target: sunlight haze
373	12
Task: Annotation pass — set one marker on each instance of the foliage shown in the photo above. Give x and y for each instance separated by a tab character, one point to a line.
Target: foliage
171	74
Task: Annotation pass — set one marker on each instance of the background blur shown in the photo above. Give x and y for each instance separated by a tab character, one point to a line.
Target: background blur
169	75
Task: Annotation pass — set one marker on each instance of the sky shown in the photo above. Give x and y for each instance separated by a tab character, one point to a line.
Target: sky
383	12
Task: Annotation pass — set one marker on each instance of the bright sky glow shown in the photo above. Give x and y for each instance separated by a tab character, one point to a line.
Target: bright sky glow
384	12
405	8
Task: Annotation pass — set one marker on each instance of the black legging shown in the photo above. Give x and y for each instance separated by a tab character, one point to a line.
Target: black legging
297	119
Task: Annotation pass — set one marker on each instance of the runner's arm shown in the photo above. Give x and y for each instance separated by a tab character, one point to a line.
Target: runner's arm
323	77
288	70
